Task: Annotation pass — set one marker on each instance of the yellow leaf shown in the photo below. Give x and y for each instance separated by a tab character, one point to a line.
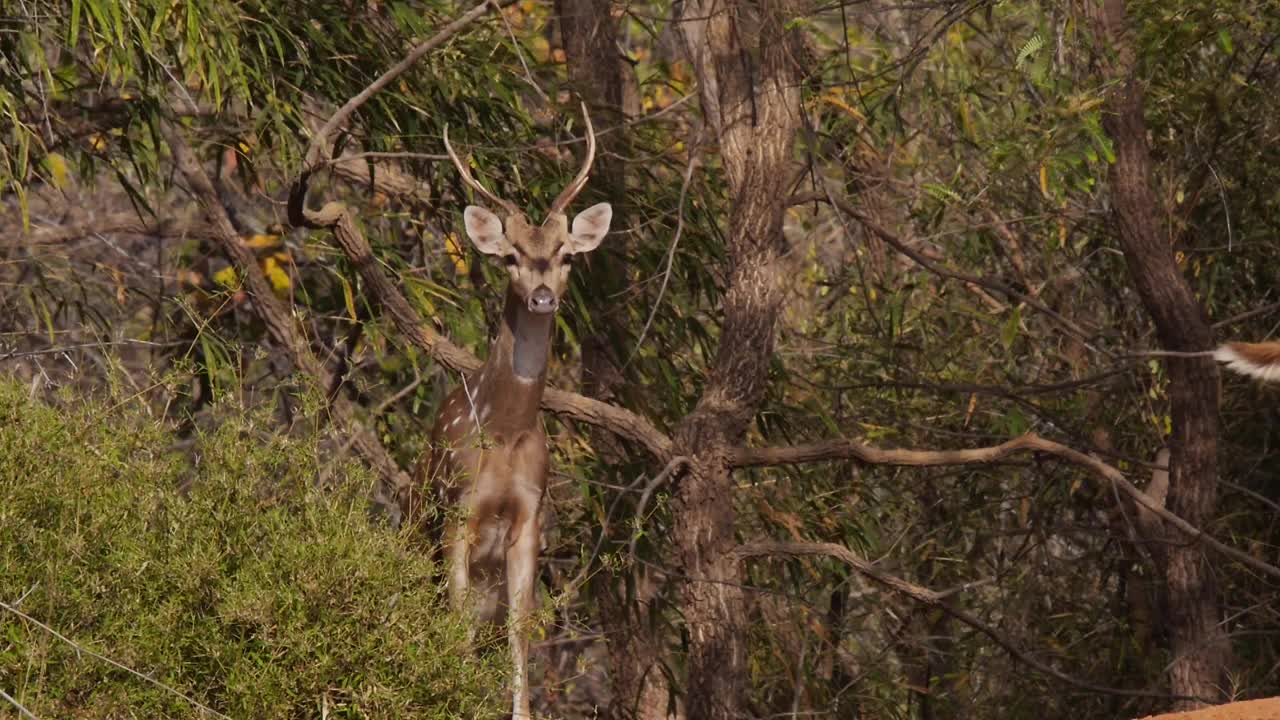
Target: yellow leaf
1044	180
454	250
349	298
97	142
276	274
259	242
118	278
834	100
57	169
226	277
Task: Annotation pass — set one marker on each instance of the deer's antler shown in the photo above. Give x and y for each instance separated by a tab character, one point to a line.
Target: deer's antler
580	180
470	180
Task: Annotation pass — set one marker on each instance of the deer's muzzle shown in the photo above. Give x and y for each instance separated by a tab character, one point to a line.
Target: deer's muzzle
542	301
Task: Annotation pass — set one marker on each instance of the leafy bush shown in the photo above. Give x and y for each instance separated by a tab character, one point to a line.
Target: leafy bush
259	593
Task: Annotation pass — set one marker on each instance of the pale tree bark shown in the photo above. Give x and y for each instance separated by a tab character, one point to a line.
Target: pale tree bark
748	80
1198	642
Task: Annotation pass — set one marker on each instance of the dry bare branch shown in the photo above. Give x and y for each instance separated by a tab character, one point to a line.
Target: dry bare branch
123	223
852	450
327	216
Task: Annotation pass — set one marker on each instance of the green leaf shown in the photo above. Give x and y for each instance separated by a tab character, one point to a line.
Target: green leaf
1012	326
73	32
1028	51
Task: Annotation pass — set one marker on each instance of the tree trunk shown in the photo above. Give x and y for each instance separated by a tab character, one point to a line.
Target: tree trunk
748	82
1201	651
589	34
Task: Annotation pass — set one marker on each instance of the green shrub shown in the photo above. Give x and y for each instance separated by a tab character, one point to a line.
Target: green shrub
259	594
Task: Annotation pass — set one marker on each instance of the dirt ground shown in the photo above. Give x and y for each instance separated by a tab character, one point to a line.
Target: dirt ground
1266	709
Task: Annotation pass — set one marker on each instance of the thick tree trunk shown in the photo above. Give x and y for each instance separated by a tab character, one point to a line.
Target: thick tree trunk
589	34
748	82
1201	651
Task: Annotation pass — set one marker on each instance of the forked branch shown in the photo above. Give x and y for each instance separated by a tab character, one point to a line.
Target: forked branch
901	247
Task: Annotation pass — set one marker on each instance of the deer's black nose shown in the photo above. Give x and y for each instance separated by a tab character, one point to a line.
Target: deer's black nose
542	300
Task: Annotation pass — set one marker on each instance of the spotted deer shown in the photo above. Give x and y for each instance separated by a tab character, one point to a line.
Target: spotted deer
488	455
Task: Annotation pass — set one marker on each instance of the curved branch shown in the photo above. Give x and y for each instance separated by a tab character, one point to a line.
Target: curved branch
927	597
299	215
320	141
851	450
393	182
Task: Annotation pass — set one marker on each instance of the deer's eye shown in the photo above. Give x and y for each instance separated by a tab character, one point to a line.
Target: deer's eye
566	259
510	260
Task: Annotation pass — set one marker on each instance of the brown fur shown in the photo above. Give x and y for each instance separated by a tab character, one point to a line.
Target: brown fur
488	453
1262	354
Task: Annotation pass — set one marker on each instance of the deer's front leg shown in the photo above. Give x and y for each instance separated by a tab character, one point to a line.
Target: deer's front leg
459	559
522	573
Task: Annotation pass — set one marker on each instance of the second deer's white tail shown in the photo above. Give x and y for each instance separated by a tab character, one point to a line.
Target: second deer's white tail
1257	360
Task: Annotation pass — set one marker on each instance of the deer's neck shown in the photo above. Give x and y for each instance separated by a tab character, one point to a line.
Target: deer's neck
508	388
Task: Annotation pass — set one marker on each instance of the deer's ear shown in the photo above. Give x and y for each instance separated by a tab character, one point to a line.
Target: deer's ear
485	230
589	227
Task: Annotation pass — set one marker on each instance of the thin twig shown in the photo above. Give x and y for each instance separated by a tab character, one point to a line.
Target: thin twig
897	244
1270	307
528	76
321	138
87	346
82	649
21	710
662	477
671	252
1226	209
